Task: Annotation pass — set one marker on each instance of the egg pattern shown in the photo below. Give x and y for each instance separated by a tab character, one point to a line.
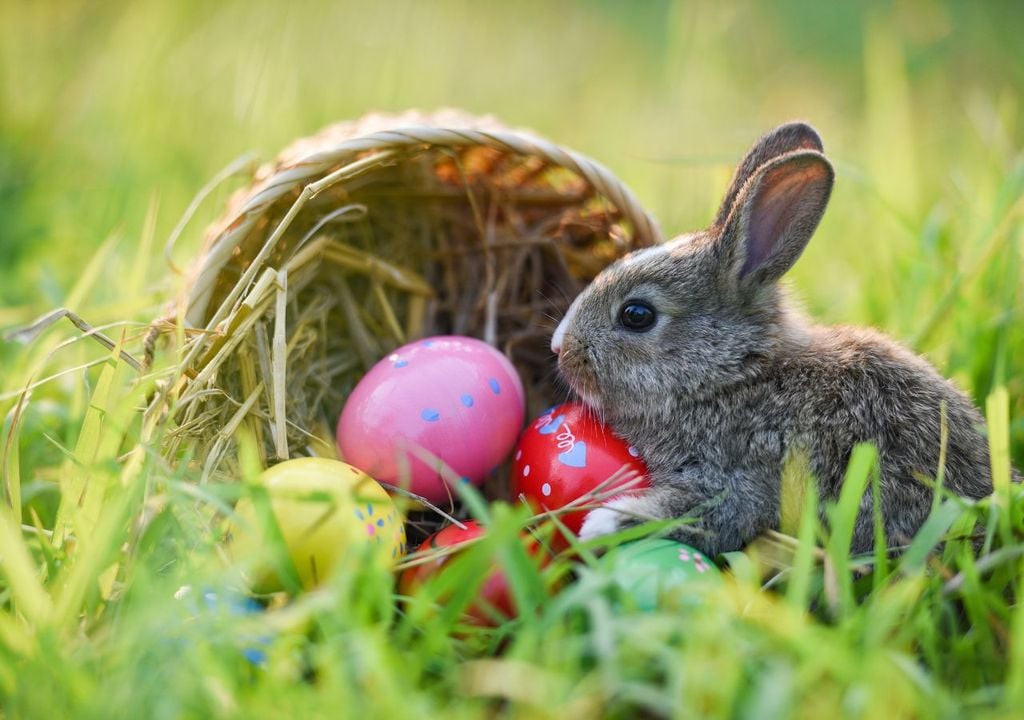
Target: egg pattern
574	453
433	415
377	527
698	560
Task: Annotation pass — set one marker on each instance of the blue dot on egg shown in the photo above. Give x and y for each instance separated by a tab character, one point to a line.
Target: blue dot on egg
430	415
466	480
401	363
495	387
467	400
380	523
428	343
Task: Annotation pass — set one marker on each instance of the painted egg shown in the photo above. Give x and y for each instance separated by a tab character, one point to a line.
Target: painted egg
211	608
494	593
446	400
567	454
323	509
656	572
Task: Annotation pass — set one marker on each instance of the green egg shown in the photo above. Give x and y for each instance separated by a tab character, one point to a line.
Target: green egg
658	573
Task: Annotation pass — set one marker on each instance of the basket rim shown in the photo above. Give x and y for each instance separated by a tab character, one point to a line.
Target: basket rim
318	170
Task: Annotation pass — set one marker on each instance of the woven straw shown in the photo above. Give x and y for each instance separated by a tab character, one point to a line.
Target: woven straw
366	236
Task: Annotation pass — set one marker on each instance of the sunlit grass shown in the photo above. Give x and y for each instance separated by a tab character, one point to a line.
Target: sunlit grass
111	119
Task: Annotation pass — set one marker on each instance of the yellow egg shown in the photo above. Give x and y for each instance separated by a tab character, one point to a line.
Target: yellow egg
324	510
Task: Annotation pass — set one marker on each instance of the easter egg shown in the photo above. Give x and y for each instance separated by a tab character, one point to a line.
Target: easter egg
567	454
217	611
323	510
656	572
446	400
494	592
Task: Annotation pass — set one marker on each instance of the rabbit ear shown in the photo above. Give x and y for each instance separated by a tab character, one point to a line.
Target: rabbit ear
780	141
774	216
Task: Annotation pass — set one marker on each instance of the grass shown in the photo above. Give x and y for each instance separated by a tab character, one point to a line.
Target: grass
112	118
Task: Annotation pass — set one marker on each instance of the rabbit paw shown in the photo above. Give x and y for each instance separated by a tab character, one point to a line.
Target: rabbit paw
614	516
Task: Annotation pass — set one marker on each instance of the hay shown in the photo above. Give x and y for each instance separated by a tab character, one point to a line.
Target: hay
364	237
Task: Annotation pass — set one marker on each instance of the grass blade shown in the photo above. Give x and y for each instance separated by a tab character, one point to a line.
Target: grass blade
10	460
998	416
22	572
798	592
1014	698
82	489
929	536
843	517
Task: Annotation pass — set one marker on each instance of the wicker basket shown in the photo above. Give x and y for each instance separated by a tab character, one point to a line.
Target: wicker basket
368	235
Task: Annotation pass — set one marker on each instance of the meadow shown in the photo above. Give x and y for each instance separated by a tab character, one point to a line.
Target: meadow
114	115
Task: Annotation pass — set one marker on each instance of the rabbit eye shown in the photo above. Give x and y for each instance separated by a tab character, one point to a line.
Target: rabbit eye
637	316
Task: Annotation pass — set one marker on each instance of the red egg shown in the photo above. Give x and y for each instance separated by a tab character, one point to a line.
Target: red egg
566	454
494	592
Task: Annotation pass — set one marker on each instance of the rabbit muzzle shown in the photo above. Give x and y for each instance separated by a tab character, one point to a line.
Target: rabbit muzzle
577	368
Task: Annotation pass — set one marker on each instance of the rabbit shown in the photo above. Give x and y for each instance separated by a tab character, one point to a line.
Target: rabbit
695	356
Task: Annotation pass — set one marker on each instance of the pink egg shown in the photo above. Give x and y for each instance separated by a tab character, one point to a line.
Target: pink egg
452	397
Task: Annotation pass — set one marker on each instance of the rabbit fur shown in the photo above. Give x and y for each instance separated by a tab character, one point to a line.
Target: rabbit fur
730	381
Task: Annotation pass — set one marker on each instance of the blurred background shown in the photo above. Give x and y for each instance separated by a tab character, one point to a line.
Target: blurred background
113	115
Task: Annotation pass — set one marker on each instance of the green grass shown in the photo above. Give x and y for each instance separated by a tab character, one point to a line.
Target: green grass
111	119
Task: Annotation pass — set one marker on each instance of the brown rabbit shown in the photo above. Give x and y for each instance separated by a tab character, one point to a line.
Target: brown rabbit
693	354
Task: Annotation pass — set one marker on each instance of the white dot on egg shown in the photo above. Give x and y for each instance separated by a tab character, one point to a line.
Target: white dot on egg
633	451
519	454
546	489
526	471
